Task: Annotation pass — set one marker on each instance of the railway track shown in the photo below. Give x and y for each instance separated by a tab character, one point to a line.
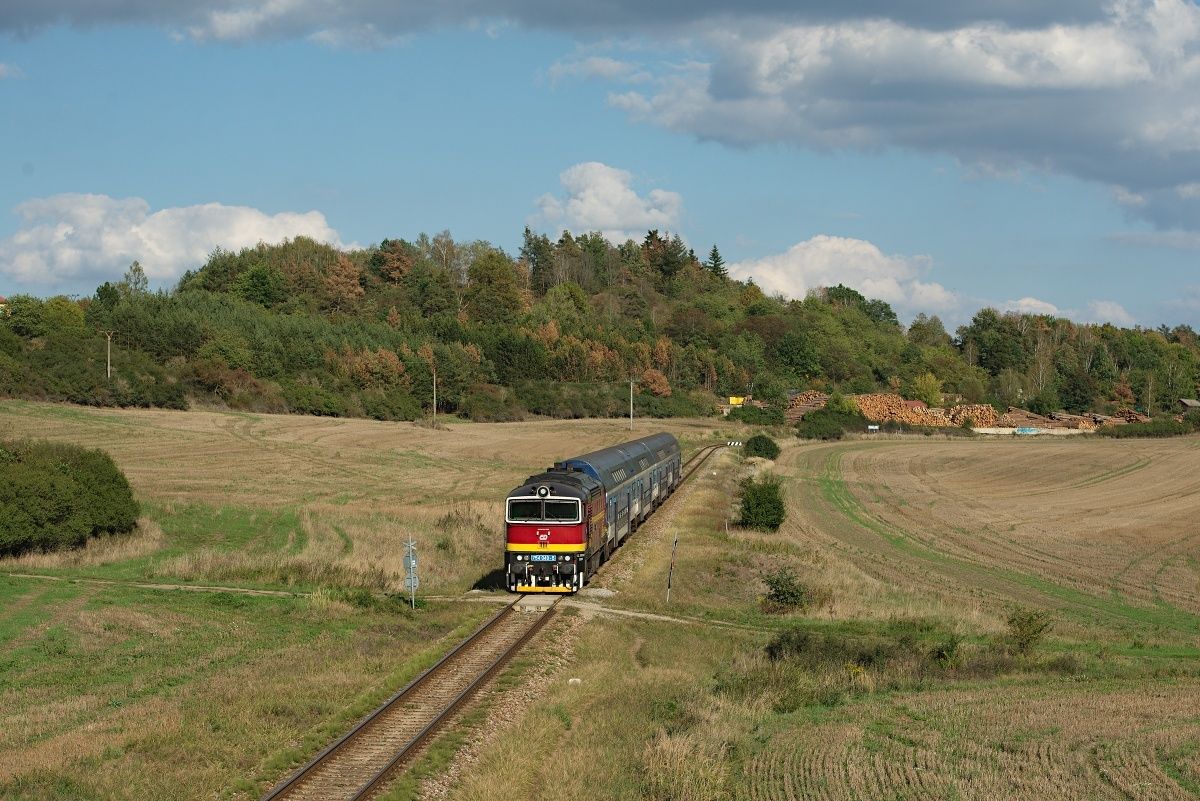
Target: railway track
360	764
699	458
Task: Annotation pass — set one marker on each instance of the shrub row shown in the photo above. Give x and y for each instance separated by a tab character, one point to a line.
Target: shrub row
56	496
1154	428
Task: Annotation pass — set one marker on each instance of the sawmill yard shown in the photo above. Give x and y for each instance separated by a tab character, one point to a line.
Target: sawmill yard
899	679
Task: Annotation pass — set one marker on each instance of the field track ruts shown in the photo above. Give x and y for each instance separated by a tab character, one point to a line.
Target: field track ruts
969	512
988	744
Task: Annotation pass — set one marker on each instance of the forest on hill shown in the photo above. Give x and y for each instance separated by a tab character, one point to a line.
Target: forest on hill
559	330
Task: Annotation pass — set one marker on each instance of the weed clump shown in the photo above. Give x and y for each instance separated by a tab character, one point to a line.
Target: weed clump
786	592
814	667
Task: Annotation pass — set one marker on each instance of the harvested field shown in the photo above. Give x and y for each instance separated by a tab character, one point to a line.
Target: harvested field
921	547
117	685
914	552
1100	528
332	498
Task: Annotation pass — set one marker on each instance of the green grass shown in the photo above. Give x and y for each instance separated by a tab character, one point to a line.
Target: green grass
240	676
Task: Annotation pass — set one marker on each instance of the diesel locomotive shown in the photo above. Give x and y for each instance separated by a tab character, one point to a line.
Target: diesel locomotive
564	523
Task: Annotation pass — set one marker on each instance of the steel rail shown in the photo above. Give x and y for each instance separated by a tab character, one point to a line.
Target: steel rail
293	782
383	775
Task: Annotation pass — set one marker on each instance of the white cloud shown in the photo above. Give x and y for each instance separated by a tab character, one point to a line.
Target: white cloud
1110	99
602	198
602	67
1028	305
1107	311
9	71
831	260
71	237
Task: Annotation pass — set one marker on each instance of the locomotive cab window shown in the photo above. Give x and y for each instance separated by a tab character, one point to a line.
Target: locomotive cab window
564	511
525	510
531	510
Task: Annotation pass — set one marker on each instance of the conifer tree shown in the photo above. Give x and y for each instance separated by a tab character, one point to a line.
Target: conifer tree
716	264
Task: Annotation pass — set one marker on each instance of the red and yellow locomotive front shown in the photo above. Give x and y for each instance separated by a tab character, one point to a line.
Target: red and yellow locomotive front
549	521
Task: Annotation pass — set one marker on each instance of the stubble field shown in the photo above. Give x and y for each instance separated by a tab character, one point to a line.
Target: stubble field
900	685
119	679
920	548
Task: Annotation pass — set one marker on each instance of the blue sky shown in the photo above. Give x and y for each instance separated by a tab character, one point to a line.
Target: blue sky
1037	157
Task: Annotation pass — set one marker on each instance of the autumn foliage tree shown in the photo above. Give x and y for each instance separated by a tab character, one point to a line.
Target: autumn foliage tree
656	383
343	284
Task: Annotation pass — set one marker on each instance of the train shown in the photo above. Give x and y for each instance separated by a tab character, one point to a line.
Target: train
561	525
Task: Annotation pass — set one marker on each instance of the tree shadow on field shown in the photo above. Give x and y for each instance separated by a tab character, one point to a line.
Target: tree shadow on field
493	580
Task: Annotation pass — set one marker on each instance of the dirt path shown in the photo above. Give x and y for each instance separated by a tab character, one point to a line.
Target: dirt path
143	585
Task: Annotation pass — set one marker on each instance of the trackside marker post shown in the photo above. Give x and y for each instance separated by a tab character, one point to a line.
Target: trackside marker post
671	570
411	582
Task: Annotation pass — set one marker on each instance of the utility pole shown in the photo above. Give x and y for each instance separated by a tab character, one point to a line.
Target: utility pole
630	404
109	335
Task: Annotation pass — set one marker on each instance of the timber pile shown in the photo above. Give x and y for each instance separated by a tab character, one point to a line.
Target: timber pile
887	407
801	404
1132	416
1023	418
981	415
1081	422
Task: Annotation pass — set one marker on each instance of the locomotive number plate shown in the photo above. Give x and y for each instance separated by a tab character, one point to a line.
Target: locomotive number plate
541	557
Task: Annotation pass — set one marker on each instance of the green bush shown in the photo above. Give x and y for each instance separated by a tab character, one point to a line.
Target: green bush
1155	428
786	592
830	424
762	503
758	417
761	445
1027	627
55	496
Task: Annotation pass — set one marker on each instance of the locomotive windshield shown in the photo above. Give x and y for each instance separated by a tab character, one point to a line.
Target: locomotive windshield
562	510
529	510
524	510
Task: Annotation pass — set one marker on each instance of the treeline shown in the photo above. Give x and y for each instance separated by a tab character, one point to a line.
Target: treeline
559	329
55	496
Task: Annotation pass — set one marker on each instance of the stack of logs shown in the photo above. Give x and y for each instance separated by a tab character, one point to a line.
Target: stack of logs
1131	416
888	407
801	404
981	415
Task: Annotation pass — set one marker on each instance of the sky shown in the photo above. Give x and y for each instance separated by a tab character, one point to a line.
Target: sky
942	156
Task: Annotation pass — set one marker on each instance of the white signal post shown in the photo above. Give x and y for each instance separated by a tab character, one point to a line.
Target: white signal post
411	582
671	570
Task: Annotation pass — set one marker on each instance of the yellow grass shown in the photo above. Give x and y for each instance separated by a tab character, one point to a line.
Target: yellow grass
358	487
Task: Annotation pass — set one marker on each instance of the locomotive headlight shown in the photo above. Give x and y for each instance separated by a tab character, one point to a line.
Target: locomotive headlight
543	492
